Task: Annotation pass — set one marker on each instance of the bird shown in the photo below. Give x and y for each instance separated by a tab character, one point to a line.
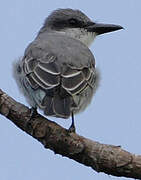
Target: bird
57	72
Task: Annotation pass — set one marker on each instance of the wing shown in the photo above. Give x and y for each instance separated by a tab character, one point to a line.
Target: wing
41	73
48	74
75	80
45	70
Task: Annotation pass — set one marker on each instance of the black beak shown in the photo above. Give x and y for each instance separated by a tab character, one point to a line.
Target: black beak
102	28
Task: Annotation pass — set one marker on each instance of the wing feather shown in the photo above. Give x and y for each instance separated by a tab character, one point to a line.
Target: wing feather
49	75
76	80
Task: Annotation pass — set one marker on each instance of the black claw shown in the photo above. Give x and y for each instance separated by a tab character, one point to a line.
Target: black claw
72	127
33	112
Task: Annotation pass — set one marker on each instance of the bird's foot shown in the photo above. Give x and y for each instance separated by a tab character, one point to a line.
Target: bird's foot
33	112
71	129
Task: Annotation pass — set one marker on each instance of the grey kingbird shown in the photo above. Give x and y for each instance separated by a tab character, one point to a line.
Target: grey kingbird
57	72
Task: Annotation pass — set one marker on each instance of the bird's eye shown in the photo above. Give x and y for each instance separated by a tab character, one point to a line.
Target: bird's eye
72	21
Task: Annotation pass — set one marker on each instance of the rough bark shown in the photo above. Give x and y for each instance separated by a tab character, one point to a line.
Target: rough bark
101	157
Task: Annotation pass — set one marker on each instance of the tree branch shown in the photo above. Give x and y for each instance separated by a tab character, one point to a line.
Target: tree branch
101	157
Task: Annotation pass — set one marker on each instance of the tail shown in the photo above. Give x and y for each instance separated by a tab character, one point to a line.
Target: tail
57	106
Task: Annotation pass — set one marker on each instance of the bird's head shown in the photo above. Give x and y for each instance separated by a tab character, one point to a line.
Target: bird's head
76	24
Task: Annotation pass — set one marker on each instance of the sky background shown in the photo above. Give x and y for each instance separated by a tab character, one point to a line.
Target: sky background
114	116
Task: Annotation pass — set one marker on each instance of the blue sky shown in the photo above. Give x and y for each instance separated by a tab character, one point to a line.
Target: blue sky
115	112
